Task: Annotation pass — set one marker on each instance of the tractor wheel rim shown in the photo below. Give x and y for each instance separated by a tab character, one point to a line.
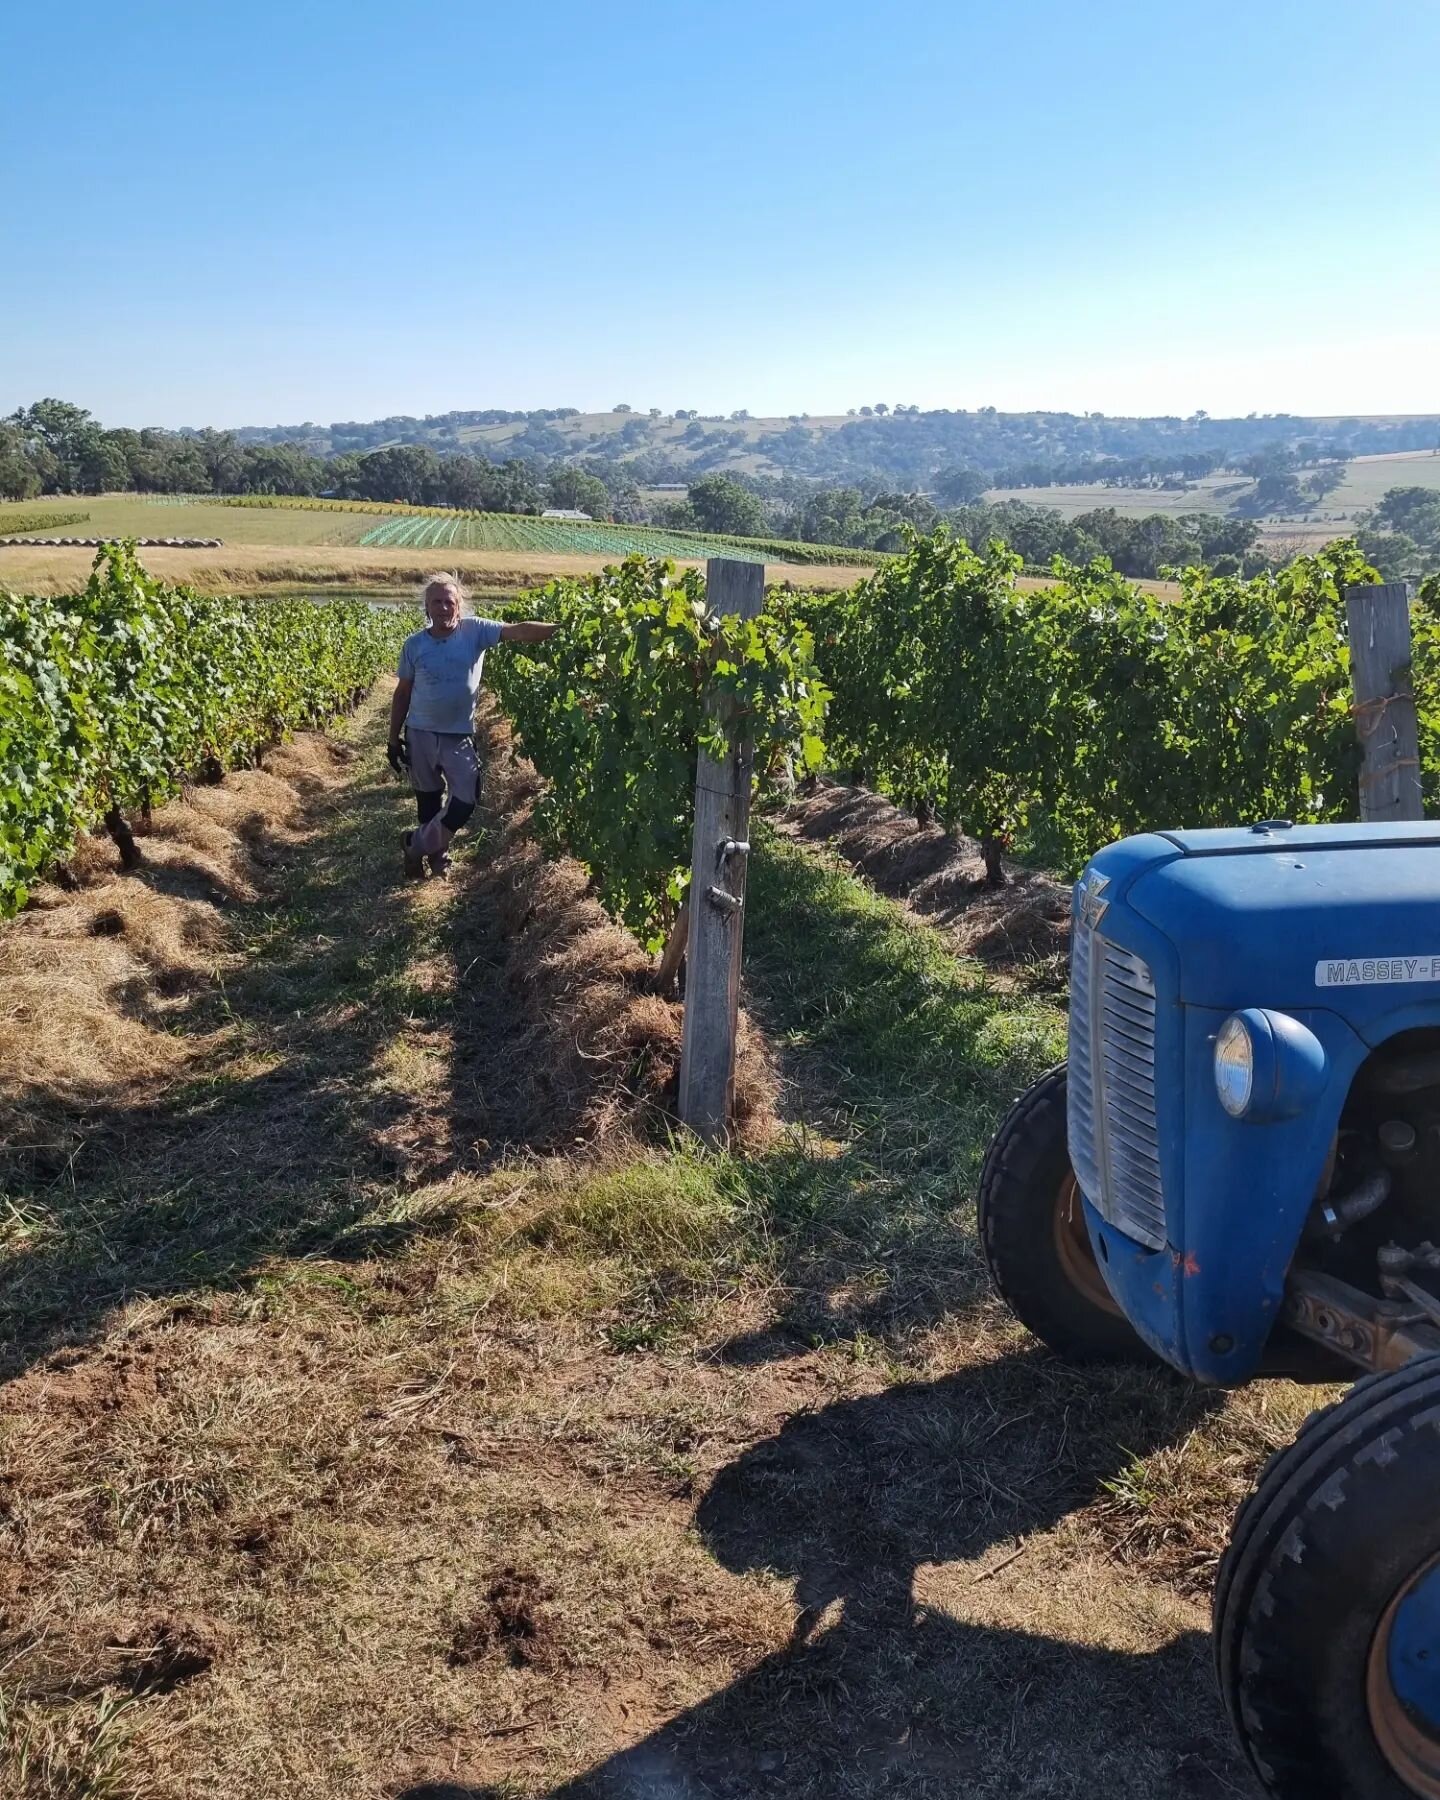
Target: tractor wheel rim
1076	1253
1402	1683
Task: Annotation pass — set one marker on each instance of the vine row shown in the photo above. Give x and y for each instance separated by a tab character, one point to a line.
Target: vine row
1051	722
611	711
111	697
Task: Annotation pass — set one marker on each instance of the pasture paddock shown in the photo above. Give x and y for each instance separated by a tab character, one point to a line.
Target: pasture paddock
1366	480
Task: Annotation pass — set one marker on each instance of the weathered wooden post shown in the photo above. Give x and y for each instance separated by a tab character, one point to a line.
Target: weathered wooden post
718	861
1379	621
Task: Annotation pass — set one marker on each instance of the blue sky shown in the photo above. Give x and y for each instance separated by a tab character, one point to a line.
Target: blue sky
269	213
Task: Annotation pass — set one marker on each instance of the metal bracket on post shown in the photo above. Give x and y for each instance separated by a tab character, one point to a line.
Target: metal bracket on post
729	850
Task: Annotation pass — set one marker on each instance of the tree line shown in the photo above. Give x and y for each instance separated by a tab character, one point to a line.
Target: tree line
882	520
898	446
54	447
1401	535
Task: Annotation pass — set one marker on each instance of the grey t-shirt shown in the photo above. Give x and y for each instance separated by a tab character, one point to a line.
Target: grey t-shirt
446	673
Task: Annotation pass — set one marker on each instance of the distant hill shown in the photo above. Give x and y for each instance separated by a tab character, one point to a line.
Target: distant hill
904	446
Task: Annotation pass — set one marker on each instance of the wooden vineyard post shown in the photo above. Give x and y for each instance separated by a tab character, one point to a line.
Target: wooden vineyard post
719	854
1379	621
674	953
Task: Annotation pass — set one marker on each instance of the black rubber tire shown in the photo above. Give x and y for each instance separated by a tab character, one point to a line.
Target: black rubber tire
1025	1170
1338	1521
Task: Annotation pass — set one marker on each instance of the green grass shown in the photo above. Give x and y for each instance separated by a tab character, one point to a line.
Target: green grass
910	1057
920	1047
147	515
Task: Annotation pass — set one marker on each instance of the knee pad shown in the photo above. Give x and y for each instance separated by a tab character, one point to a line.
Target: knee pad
456	813
428	804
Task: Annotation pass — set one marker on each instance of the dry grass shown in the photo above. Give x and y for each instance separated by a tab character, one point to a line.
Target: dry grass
582	987
244	568
91	982
393	1411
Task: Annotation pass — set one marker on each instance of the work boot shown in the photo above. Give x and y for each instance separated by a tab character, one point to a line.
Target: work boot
439	863
414	859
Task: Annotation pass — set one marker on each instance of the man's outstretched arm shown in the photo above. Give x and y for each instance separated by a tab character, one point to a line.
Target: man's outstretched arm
527	631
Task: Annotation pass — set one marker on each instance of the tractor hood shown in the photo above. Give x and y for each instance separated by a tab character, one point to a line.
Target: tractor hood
1345	917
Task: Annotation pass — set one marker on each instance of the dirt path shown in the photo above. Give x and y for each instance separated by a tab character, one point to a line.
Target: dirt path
392	1411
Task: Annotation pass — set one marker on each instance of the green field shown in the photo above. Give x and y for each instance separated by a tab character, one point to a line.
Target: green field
165	515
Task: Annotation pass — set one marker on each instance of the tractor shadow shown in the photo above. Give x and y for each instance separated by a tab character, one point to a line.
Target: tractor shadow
927	1657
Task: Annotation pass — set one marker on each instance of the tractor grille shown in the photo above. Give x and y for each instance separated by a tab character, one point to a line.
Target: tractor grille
1114	1140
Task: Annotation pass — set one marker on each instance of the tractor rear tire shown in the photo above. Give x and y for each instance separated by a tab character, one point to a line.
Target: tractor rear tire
1341	1533
1034	1237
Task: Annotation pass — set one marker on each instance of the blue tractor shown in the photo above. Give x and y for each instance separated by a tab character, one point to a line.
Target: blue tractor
1238	1170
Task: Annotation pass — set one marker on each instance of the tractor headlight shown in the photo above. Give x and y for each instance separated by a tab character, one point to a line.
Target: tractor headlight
1234	1066
1268	1066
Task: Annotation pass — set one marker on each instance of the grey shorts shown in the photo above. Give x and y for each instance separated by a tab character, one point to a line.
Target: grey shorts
438	757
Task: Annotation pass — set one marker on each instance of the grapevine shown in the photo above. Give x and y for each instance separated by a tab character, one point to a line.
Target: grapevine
13	522
1060	719
109	698
611	710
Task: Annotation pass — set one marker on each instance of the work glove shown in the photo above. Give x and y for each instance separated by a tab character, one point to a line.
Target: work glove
396	757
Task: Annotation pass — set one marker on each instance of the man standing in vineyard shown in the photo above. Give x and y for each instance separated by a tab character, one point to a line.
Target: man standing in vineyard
434	704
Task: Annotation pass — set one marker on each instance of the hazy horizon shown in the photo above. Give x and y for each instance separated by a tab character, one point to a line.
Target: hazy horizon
642	409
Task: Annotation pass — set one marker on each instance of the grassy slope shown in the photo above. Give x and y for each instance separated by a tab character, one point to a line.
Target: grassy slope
439	1462
139	515
1367	478
662	433
1214	494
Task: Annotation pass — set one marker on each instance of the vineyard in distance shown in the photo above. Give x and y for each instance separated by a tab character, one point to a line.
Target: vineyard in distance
514	498
397	1401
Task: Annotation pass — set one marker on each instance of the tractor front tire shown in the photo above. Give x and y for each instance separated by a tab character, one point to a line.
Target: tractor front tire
1327	1606
1034	1237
